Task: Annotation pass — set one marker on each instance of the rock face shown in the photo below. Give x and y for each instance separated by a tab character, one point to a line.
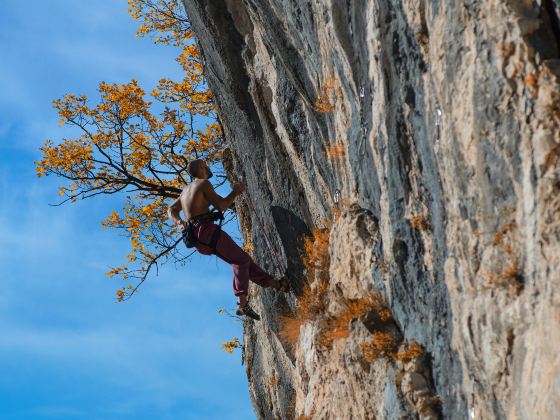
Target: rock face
436	125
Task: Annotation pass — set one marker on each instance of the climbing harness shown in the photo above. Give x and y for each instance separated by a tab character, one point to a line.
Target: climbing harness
190	239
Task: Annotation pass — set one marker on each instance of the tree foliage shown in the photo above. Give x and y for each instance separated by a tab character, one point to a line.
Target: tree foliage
230	346
164	20
139	145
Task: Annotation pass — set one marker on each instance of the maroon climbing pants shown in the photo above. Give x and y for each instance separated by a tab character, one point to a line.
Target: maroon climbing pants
244	268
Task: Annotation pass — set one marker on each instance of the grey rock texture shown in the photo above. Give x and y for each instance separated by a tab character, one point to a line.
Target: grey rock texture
440	129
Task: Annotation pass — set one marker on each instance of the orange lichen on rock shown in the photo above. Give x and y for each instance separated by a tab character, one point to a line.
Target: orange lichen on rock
335	151
420	222
338	327
510	275
327	95
384	344
412	351
503	231
381	344
311	303
532	82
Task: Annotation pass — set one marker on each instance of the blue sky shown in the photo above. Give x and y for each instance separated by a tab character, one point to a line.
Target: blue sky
67	350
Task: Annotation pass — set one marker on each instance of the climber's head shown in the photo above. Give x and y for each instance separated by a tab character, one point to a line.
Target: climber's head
199	169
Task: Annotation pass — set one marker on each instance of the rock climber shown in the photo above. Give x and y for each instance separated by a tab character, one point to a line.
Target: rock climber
208	238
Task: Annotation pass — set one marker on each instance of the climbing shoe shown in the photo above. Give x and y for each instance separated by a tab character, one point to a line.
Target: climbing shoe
247	311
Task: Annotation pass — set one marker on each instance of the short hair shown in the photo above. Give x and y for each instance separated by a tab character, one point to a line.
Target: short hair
194	167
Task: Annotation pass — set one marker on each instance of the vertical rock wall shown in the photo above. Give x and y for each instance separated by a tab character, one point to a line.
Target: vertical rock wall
438	122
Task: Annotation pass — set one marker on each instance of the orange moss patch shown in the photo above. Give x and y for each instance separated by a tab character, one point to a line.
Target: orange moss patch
316	252
311	303
532	82
503	231
335	151
290	329
511	275
378	305
324	103
384	344
413	350
338	327
419	222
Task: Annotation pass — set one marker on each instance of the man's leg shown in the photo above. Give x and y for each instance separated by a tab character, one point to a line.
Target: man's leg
261	277
243	266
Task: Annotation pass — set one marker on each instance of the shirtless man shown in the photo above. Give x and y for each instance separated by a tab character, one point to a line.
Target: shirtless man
194	202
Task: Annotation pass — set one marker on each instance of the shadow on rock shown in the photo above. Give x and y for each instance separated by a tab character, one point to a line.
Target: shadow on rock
292	230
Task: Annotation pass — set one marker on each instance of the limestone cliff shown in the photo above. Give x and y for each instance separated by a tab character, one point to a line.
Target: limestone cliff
435	125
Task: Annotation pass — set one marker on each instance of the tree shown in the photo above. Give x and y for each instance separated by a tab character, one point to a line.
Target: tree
130	145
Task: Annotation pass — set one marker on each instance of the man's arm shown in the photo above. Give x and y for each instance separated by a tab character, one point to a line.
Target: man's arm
173	212
216	200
